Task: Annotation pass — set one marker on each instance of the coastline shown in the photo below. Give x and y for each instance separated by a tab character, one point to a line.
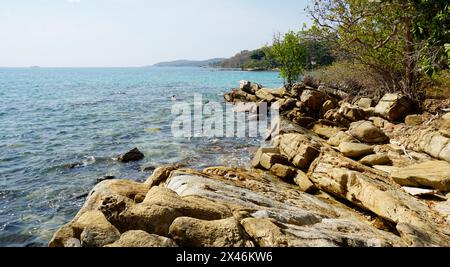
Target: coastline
335	175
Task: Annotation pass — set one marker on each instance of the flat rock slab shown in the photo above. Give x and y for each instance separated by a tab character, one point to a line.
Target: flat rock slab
434	174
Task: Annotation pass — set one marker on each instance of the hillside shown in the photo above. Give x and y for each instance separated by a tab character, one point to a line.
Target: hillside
190	63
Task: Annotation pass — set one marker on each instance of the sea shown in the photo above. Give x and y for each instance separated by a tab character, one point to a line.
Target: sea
62	128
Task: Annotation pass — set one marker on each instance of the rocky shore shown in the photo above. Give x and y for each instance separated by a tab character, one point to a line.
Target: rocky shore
342	172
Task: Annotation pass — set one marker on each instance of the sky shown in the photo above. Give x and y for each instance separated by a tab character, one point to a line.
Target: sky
122	33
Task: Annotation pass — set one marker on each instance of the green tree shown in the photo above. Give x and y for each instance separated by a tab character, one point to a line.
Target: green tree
290	54
384	35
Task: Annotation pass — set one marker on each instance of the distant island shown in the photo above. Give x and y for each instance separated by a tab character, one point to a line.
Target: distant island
190	63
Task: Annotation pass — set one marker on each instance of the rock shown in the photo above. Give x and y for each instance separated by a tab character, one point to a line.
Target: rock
418	192
161	174
106	177
355	150
256	162
372	190
132	155
313	100
265	95
384	168
444	125
434	174
300	215
63	237
95	230
414	120
73	243
304	183
299	149
341	137
270	159
284	172
285	104
141	239
190	232
148	168
325	131
366	132
265	232
303	121
162	206
394	107
352	113
280	93
364	102
328	105
377	159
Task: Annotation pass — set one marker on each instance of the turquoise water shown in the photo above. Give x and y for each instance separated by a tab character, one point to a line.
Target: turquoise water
53	118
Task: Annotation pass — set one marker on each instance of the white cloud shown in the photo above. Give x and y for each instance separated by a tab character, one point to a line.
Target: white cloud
73	1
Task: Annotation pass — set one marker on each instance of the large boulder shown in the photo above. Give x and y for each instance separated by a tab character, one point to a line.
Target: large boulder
434	174
364	102
284	172
394	107
133	155
366	132
249	87
141	239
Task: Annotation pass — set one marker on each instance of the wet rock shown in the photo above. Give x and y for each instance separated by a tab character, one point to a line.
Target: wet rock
434	174
132	155
141	239
366	132
284	172
341	137
148	168
299	149
414	120
394	107
191	232
377	159
355	150
106	177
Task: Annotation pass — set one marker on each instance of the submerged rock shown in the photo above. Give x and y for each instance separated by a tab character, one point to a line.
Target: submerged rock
132	155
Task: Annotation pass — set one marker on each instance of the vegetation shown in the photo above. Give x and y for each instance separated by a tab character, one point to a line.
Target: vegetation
398	41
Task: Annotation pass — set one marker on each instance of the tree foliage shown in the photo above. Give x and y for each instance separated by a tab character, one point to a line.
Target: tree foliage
393	37
290	54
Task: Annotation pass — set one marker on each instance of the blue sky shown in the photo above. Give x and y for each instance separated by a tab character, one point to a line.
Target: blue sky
75	33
